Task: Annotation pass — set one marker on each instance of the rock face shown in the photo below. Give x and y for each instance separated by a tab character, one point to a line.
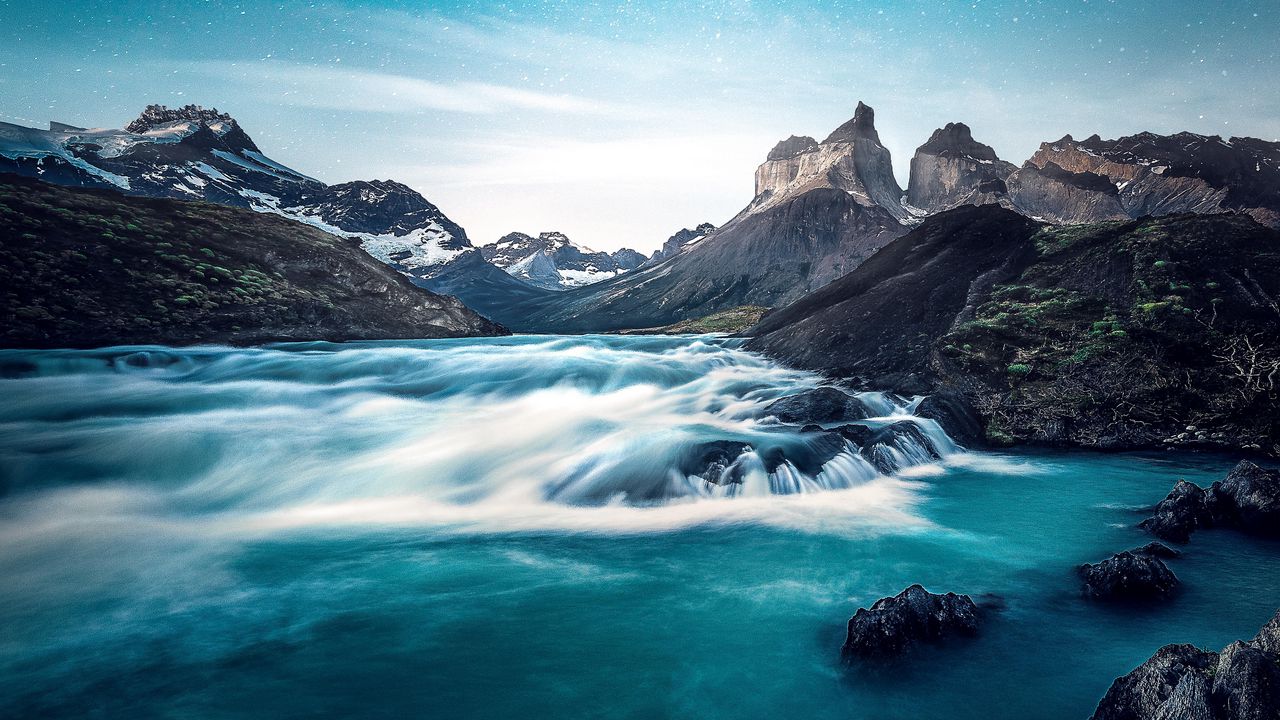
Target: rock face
674	244
1131	575
1149	174
1064	336
87	268
194	153
953	169
1248	500
850	159
819	405
1057	195
894	625
1182	681
554	262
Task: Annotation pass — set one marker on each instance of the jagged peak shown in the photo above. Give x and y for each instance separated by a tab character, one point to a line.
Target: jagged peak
212	126
791	147
155	115
861	127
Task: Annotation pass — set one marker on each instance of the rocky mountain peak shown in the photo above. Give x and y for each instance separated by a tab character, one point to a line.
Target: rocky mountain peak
953	169
861	127
792	146
207	121
956	139
156	115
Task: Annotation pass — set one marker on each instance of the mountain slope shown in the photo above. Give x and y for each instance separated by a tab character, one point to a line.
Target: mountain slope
87	267
1121	334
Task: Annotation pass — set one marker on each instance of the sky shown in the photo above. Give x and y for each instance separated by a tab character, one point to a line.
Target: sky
619	123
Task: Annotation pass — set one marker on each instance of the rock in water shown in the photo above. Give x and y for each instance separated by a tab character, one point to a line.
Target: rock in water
893	625
819	405
1184	682
1252	496
1248	500
1130	575
1184	509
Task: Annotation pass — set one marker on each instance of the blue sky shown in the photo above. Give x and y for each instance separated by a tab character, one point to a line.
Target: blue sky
620	122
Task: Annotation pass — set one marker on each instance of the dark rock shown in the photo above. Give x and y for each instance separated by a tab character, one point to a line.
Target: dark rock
1130	575
955	414
1251	495
1184	509
1247	500
1159	550
1184	682
712	461
893	625
1145	691
1246	684
819	405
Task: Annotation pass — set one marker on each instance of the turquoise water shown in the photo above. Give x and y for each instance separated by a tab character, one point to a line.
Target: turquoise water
497	528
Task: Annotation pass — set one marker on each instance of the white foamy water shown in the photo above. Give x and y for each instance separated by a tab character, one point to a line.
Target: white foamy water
597	433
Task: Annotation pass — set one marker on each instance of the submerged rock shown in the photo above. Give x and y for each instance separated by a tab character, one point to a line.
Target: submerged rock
1182	681
893	625
1248	499
1130	575
819	405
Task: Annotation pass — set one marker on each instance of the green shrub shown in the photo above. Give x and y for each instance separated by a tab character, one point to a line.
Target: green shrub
1019	370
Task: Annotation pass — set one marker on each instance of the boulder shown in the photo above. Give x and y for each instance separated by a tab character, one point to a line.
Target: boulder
892	626
819	405
1181	681
1130	575
1251	497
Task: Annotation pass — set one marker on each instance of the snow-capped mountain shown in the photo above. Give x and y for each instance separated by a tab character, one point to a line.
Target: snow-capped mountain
198	153
554	262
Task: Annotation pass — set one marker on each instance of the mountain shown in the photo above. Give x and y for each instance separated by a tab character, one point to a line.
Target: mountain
554	262
953	169
1134	333
88	267
851	159
816	215
198	153
674	244
1070	181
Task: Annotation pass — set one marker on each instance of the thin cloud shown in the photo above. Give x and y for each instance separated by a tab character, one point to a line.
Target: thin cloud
337	88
